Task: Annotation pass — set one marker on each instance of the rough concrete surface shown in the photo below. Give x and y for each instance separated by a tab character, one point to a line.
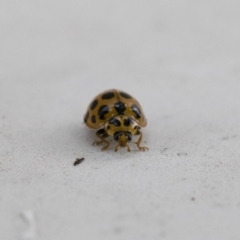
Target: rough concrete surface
180	59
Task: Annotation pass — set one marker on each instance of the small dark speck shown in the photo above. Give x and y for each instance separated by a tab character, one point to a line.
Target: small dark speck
78	161
193	198
229	137
182	154
164	150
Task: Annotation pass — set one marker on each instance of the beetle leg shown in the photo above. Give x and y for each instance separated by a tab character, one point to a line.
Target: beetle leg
116	148
128	148
102	135
139	141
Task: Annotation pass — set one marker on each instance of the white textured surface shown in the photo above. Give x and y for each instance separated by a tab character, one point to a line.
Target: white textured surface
181	59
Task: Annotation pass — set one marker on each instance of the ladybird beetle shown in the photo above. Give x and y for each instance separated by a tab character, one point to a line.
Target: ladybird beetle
116	113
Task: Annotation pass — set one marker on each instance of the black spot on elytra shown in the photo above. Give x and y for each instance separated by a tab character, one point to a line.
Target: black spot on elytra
104	109
127	122
102	133
129	135
93	119
105	135
115	122
108	95
138	133
125	95
120	107
94	104
86	117
117	135
136	110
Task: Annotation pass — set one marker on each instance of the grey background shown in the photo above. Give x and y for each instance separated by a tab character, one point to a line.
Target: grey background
180	59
